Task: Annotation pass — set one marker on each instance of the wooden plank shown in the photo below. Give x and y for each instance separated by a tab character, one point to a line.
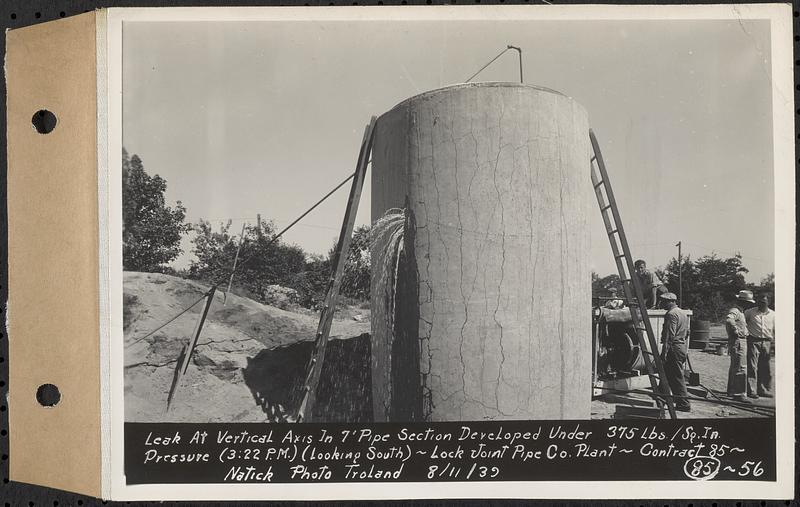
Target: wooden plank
630	400
624	411
198	329
697	391
306	410
186	353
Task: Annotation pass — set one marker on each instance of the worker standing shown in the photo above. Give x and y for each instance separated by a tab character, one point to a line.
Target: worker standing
650	283
674	337
761	337
736	326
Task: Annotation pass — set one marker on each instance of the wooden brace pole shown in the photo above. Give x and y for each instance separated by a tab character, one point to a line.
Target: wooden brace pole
305	411
186	354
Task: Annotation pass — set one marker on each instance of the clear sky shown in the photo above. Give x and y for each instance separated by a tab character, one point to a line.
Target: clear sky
266	117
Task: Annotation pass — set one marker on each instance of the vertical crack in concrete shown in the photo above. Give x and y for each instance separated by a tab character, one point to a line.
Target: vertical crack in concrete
425	339
517	307
482	245
460	257
439	226
474	211
563	252
439	210
503	256
531	257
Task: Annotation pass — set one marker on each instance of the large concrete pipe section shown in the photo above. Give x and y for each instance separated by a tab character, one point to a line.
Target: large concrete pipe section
491	315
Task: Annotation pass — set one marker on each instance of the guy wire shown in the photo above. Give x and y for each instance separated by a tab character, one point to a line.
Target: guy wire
169	321
490	62
271	241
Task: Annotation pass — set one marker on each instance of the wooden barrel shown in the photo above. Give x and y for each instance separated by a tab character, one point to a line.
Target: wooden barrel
700	334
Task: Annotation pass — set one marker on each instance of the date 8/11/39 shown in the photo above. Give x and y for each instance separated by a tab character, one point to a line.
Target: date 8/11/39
448	471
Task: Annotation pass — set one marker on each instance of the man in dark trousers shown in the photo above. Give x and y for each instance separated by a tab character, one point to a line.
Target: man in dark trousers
736	326
674	340
652	287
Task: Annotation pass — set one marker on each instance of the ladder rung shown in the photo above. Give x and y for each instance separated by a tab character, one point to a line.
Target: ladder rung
640	329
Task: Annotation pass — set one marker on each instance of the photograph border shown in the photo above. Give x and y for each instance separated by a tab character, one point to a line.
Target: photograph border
110	142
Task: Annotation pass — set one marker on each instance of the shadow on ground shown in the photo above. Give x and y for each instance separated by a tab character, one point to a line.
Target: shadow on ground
275	377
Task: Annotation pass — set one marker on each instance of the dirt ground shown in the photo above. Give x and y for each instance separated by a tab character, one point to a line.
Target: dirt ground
235	336
713	370
244	342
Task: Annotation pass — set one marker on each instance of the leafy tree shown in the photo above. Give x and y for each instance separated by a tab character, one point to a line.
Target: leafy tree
215	251
312	283
261	263
709	283
602	287
670	276
765	286
151	230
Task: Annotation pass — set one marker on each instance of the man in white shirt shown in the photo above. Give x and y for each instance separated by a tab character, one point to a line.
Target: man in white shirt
761	336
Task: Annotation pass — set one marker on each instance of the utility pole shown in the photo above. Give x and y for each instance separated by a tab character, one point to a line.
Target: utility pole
235	260
680	275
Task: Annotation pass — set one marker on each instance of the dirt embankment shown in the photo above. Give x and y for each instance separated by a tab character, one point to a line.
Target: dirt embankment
248	361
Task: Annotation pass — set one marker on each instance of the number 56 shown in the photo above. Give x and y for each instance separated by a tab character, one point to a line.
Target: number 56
746	469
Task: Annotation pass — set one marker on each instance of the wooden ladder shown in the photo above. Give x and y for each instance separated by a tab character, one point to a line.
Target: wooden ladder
630	282
305	412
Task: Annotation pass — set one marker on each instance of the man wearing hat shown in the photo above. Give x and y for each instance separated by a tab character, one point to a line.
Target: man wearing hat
736	325
674	338
761	335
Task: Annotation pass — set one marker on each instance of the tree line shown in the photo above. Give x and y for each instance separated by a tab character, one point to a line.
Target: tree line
151	237
709	284
152	233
